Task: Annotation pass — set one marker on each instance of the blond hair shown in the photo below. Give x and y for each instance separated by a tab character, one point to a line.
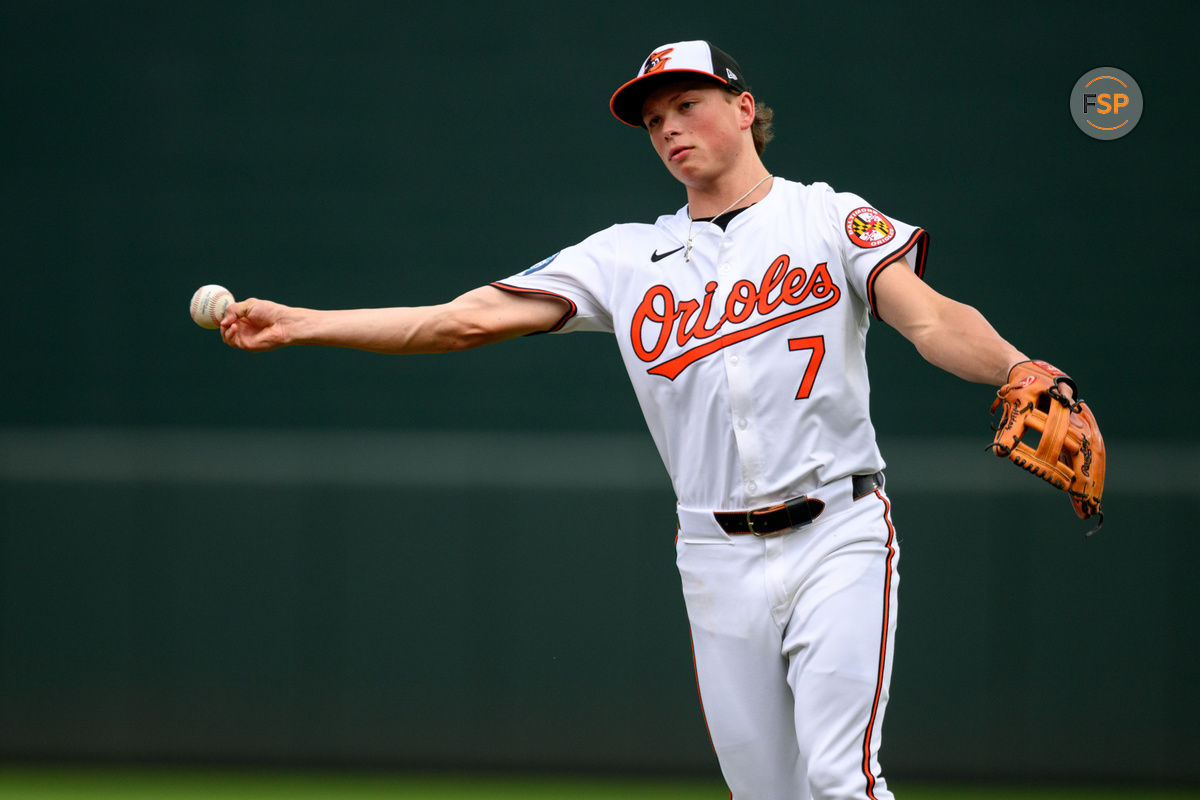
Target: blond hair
761	128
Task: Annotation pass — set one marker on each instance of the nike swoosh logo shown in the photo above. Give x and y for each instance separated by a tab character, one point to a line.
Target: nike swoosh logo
657	257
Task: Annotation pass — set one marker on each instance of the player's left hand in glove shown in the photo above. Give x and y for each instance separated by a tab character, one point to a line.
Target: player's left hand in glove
1052	433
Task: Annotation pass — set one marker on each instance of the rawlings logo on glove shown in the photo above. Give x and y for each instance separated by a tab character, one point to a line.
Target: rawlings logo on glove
1054	436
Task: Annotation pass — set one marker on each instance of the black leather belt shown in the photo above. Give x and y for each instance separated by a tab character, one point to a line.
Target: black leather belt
789	514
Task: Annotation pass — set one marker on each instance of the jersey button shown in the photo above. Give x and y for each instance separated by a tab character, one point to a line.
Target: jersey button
742	423
733	359
751	487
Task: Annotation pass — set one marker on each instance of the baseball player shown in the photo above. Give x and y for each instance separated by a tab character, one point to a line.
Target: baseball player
742	321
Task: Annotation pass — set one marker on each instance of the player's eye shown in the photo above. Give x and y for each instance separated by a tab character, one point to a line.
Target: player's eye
686	104
652	121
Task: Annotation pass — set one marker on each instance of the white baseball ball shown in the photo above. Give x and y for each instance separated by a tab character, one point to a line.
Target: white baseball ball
209	304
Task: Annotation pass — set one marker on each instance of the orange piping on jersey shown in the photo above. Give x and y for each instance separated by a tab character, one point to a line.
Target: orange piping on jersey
572	311
920	238
883	643
922	254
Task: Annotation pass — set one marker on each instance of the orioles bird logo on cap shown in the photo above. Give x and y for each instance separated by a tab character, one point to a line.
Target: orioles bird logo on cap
657	61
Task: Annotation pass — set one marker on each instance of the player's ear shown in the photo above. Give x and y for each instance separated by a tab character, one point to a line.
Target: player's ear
745	105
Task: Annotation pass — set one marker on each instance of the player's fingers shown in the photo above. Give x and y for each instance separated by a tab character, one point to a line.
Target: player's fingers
239	310
1067	390
231	316
230	331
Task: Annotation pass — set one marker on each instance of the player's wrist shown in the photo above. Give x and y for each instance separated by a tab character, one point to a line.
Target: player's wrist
1013	365
1014	361
301	326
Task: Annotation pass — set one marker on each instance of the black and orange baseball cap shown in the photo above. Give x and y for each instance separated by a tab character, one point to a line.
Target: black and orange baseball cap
681	60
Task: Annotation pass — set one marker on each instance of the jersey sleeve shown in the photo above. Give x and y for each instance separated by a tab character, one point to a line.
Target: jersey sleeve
580	274
869	241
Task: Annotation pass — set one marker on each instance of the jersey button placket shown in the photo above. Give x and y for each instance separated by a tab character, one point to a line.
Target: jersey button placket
740	408
741	401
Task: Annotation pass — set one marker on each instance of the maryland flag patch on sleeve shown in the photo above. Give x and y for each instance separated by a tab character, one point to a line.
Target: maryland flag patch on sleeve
866	227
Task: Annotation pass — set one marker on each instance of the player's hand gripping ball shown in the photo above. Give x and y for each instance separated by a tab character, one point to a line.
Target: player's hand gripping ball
209	304
1052	436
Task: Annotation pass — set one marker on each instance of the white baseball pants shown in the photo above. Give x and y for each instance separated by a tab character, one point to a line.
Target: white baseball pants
792	635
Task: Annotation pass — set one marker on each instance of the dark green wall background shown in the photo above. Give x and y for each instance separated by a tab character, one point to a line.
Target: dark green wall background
358	154
375	154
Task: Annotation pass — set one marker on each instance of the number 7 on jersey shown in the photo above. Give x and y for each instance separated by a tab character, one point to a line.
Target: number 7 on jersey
817	345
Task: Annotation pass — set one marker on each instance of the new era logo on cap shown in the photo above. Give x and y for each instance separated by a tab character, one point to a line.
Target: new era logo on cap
699	59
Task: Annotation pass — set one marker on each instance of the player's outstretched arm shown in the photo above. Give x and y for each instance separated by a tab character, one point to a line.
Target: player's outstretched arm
481	316
947	333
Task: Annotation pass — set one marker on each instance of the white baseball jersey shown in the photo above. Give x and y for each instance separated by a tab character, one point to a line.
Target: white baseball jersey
748	357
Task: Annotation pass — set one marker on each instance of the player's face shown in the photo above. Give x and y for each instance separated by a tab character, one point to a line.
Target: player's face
697	129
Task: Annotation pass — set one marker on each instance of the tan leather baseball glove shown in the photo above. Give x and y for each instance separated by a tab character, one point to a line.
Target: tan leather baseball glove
1044	431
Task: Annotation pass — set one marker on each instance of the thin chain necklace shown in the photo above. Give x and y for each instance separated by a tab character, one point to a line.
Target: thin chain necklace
691	239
